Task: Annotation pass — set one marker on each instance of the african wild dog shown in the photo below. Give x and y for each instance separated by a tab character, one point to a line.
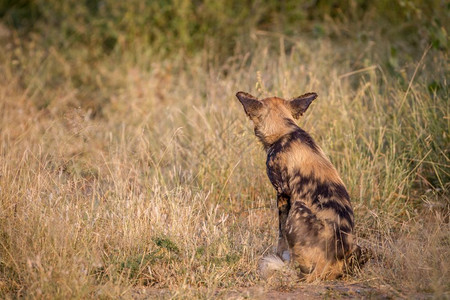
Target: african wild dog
315	214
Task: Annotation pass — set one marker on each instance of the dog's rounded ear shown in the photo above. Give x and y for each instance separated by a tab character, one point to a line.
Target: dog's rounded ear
300	104
251	104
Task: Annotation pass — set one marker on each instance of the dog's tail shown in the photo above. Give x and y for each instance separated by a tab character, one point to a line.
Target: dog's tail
358	258
268	265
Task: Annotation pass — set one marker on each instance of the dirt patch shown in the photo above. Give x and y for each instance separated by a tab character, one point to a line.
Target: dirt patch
311	291
330	290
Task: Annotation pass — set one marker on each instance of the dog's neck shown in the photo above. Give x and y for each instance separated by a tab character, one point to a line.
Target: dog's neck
271	136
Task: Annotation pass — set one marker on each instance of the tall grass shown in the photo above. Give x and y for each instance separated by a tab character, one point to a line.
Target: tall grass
127	170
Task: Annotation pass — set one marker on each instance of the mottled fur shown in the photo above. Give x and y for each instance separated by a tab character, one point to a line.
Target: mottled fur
315	214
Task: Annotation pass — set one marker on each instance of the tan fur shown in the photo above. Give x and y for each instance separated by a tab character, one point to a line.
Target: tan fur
317	165
315	214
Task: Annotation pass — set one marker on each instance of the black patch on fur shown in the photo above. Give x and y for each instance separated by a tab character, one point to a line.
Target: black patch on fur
277	176
340	191
284	143
341	210
290	123
303	181
303	188
323	195
304	224
308	218
340	246
300	135
323	190
283	213
345	229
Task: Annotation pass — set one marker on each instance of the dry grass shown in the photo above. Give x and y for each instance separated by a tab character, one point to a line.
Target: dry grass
150	174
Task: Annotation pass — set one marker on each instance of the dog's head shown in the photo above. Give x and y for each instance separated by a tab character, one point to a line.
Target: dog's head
273	117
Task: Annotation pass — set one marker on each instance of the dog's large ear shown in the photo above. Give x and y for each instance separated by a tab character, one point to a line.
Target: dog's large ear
251	104
300	104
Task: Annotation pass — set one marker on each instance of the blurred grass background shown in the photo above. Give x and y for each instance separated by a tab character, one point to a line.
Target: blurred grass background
90	32
126	163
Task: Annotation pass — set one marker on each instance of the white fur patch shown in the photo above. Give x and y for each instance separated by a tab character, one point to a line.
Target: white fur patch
269	264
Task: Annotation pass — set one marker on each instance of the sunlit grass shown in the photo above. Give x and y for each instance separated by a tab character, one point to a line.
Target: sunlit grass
128	172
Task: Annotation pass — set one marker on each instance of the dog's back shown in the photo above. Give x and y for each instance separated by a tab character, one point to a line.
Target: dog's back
316	217
320	221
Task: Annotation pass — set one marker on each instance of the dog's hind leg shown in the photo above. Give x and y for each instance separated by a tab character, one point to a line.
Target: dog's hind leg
304	233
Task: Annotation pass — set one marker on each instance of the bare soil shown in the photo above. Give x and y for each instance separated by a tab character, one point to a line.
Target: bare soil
329	290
